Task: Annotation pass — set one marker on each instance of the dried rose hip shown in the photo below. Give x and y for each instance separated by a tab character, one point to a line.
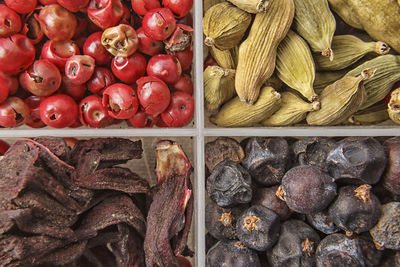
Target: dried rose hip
147	45
59	52
221	222
297	243
13	112
58	111
229	184
22	6
58	24
105	13
42	79
231	253
258	228
92	112
79	68
129	69
141	7
159	23
16	54
153	94
93	47
357	160
120	41
10	22
356	209
307	189
120	100
180	110
165	67
179	7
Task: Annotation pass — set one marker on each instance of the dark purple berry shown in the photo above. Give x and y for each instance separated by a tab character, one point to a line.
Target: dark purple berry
266	196
356	209
266	159
258	228
323	222
391	178
386	233
232	253
210	241
229	184
338	250
307	189
371	254
221	222
313	151
357	160
221	149
296	246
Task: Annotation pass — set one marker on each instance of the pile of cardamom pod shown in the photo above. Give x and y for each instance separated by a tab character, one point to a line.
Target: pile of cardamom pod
287	62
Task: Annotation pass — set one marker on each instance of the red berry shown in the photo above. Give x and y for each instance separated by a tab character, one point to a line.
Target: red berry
143	120
105	13
22	6
93	113
59	52
185	57
129	69
165	67
42	78
4	91
100	80
180	39
141	7
93	47
73	90
13	112
3	147
79	69
159	23
58	111
184	84
179	7
185	262
57	23
180	110
73	5
10	22
12	83
120	100
153	94
16	54
31	28
147	45
33	120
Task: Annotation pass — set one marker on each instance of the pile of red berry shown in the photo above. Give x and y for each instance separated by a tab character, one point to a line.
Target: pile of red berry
67	63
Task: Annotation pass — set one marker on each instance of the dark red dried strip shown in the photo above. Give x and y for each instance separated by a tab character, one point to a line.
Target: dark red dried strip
7	218
111	211
119	179
60	256
56	145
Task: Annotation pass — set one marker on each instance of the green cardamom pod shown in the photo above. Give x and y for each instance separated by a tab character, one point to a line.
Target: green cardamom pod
209	3
374	114
251	6
293	110
226	59
323	79
340	100
224	25
386	75
348	50
314	21
295	65
219	86
235	113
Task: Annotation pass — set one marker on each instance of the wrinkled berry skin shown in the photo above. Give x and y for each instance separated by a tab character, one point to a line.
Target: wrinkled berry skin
372	255
323	222
233	254
266	159
307	189
105	13
17	54
258	228
352	214
386	232
291	249
159	23
10	22
229	184
220	149
357	160
338	250
221	222
391	178
313	151
265	196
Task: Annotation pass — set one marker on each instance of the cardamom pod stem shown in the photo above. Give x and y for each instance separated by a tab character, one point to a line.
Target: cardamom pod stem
251	6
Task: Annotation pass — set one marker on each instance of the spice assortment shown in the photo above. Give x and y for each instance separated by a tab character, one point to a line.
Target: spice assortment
315	49
78	206
96	63
313	201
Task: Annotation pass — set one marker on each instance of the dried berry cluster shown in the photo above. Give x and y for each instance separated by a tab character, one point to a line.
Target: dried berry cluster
76	207
314	201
